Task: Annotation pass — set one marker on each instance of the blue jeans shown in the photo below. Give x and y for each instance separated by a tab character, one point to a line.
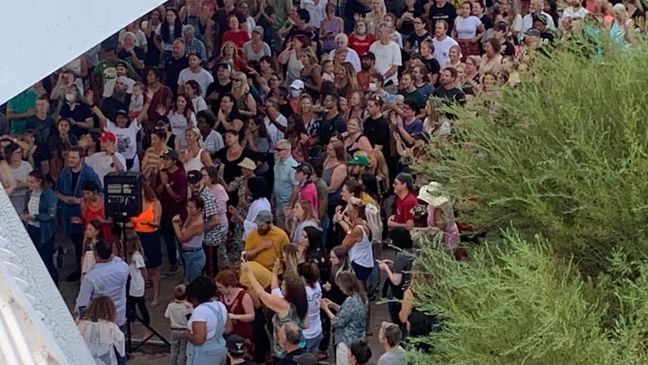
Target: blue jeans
194	264
45	250
312	344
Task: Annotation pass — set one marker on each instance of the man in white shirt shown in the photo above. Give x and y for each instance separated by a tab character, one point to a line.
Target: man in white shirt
275	122
442	43
197	73
108	160
341	47
388	57
535	8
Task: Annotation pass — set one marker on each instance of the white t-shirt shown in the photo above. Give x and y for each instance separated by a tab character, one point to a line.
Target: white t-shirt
203	313
179	124
137	284
387	55
177	313
126	138
314	322
102	163
442	50
199	104
202	77
571	12
273	132
466	28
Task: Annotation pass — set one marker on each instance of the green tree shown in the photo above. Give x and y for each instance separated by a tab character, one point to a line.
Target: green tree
561	168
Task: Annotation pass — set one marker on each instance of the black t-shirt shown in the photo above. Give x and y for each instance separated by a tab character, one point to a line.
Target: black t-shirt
508	49
80	113
111	105
128	57
453	95
377	132
487	21
75	179
432	65
329	127
447	12
220	90
415	40
43	129
172	68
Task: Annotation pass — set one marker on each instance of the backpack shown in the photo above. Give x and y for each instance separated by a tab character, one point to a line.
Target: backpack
374	221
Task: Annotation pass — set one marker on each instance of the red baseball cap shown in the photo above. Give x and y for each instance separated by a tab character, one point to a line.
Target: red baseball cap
107	137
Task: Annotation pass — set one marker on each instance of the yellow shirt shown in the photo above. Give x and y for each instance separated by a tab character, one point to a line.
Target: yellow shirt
263	276
267	258
367	199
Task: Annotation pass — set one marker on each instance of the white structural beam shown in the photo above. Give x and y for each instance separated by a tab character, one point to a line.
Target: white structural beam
38	36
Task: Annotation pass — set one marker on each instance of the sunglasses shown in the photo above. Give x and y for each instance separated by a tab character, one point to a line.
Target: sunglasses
280	149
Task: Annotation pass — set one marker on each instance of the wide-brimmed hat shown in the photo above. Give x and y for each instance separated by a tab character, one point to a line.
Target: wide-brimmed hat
431	194
248	164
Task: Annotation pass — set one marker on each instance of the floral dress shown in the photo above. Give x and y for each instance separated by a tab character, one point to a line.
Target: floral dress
235	241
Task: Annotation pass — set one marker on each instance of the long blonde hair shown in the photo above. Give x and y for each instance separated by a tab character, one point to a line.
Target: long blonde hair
292	254
379	165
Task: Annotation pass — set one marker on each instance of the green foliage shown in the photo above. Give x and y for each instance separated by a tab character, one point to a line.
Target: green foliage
561	169
566	157
514	303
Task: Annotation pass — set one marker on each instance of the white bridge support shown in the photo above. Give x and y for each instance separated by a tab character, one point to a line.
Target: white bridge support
38	37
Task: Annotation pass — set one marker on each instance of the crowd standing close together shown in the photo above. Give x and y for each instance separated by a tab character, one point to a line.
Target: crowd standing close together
274	139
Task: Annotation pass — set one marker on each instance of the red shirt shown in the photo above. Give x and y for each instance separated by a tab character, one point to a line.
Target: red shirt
239	37
404	208
361	46
308	193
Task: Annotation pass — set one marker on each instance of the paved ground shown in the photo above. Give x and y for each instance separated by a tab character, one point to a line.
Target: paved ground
158	355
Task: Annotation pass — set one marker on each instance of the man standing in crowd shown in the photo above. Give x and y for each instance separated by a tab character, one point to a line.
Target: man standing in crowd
43	126
107	277
197	73
193	44
404	203
172	188
442	43
388	57
175	64
265	243
348	54
286	187
443	10
448	90
108	159
68	188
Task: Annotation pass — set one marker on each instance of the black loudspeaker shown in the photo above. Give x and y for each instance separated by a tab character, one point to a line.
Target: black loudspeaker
123	197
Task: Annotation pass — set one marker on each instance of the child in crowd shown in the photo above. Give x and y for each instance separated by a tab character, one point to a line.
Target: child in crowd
92	232
178	312
137	100
98	328
137	269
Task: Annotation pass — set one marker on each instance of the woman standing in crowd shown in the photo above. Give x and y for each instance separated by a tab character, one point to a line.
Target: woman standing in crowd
191	234
152	161
467	30
76	112
194	157
214	182
39	215
181	117
288	303
231	156
147	226
355	140
238	208
302	216
19	170
245	103
207	325
350	318
92	209
334	174
212	141
192	90
169	30
239	304
235	34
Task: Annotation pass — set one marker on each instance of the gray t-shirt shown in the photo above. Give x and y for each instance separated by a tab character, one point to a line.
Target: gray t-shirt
395	357
256	56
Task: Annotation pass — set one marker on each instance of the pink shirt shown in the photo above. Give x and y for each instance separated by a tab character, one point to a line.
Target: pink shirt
308	193
221	205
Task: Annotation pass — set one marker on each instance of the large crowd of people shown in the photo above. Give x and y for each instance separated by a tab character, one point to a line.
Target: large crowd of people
275	140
